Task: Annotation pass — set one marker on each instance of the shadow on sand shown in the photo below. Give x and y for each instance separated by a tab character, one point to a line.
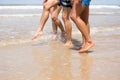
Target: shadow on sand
77	44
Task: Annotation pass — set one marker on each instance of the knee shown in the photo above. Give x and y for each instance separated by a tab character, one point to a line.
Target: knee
45	6
73	16
64	18
54	18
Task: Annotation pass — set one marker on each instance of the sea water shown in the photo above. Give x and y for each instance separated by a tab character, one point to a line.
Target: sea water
19	20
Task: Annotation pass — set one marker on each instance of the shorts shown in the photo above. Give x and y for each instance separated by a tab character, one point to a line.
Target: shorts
85	2
64	3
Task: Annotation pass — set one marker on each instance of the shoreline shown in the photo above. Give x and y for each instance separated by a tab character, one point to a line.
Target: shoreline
12	32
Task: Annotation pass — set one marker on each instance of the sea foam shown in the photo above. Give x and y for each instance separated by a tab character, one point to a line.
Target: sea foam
41	7
21	7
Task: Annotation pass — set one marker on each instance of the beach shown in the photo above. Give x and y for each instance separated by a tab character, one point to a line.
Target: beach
53	61
45	59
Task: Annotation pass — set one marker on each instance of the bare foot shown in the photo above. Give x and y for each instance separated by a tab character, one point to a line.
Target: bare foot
87	46
62	37
68	44
54	37
83	45
36	35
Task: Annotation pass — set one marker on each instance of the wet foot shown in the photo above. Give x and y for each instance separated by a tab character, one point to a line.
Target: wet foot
87	46
62	36
83	45
36	35
54	37
68	44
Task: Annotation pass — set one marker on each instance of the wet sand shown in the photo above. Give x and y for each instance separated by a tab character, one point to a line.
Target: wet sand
53	61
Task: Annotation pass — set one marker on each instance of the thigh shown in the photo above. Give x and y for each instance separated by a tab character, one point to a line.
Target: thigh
50	3
55	12
85	15
77	7
66	12
52	9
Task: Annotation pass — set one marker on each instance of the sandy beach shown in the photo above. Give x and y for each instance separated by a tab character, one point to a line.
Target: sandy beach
44	59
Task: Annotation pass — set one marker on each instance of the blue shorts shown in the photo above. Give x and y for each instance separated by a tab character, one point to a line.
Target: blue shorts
85	2
64	3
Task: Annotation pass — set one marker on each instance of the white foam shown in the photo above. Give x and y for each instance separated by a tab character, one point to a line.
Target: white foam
104	6
32	15
104	13
14	42
21	7
19	15
41	7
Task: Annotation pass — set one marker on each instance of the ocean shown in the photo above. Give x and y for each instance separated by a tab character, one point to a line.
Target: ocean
20	19
34	2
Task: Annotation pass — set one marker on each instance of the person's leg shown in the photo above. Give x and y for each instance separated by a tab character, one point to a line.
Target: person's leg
83	38
85	17
54	26
55	14
44	17
77	9
68	27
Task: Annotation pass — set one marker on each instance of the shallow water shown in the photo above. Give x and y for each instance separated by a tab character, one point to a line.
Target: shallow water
19	23
52	61
19	30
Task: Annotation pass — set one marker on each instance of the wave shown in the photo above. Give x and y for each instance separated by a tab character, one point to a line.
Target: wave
105	7
19	15
99	29
12	40
41	7
104	13
15	42
33	15
21	7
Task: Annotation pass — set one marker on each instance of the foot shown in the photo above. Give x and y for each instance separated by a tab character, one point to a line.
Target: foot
36	35
54	37
68	44
83	45
62	37
87	46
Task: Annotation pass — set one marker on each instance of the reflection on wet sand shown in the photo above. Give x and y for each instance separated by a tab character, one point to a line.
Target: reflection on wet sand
60	63
81	65
50	60
86	64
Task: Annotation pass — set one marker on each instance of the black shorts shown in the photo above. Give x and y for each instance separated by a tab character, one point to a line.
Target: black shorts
64	3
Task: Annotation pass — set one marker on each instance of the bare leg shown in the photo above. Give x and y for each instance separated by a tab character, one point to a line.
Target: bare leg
44	17
83	41
65	16
77	9
85	17
54	26
55	14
